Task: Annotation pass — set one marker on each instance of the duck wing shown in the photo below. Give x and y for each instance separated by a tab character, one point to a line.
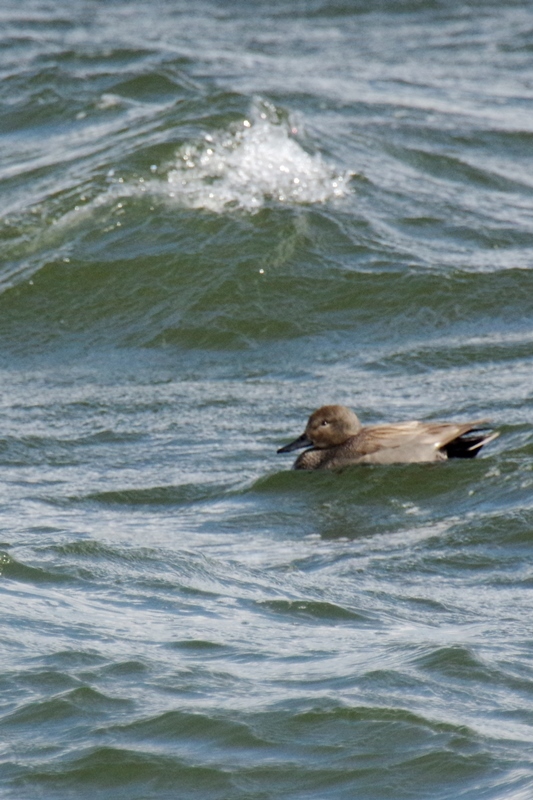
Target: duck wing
420	441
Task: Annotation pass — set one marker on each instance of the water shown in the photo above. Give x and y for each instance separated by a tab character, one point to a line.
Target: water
216	217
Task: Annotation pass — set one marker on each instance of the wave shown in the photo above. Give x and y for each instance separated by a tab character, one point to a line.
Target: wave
247	285
253	162
293	749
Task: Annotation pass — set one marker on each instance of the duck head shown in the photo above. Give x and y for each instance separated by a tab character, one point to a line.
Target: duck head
327	427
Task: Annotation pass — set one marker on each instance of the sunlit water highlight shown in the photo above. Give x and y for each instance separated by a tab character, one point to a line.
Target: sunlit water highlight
253	162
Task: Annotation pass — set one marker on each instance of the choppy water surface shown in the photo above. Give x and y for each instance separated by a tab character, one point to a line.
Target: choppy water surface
214	218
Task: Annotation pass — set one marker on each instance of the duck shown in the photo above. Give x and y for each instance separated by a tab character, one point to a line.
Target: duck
335	438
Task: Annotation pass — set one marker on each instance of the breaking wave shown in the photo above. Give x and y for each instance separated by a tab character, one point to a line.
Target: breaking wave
254	161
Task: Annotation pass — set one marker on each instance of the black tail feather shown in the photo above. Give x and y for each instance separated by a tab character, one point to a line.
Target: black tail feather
469	444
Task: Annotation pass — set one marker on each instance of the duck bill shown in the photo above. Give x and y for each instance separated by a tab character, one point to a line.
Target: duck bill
301	441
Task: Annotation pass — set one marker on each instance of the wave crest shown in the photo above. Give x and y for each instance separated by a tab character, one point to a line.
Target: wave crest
253	162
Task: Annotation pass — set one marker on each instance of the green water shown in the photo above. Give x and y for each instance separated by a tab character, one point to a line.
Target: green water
214	218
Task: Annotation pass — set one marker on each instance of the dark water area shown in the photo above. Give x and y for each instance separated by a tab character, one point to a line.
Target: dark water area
214	218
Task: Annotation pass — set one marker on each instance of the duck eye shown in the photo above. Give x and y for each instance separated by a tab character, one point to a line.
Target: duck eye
324	422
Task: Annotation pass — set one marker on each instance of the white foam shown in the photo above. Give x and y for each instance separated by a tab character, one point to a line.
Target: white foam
253	162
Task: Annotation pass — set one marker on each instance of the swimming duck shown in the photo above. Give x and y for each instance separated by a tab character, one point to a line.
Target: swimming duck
336	438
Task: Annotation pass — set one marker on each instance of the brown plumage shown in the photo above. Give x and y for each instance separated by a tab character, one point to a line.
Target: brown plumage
336	438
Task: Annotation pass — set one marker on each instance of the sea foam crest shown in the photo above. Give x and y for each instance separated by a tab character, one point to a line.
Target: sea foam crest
255	161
